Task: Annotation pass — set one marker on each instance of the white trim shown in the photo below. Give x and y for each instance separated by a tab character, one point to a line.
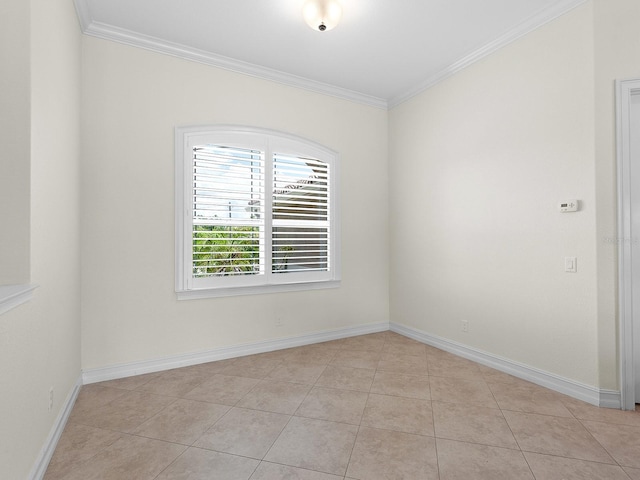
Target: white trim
13	295
84	14
256	290
134	39
624	90
610	399
528	26
160	364
49	447
185	286
566	386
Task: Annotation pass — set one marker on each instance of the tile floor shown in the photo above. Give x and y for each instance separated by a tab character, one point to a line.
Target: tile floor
377	406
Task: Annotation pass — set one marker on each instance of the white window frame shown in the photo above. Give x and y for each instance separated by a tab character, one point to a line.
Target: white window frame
266	140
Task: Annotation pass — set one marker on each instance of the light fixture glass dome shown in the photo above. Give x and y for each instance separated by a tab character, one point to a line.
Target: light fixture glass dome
322	15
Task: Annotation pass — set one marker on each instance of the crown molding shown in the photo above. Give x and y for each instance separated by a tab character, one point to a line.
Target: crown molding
512	35
134	39
84	15
127	37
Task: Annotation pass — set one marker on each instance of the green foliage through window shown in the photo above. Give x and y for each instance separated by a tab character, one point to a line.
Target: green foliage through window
225	250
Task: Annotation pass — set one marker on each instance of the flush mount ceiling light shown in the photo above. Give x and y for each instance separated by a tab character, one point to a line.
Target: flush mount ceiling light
322	15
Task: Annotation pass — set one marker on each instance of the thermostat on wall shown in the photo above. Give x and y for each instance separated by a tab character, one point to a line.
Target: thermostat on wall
569	206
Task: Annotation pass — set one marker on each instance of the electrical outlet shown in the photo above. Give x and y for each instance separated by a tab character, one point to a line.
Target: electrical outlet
278	322
50	398
465	326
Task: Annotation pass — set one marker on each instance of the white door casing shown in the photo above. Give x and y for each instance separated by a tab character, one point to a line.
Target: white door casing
634	114
628	158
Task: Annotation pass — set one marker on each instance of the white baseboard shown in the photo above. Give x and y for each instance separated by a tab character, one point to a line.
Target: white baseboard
42	462
610	399
160	364
586	393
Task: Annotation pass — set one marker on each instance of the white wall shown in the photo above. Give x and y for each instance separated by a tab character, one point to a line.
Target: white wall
40	341
132	100
14	138
478	165
617	50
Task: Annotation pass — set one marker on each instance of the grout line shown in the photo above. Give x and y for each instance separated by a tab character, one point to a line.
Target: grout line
430	358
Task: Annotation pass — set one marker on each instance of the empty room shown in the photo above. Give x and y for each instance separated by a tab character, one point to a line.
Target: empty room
320	239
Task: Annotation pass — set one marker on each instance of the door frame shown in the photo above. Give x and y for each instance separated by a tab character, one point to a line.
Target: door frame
625	89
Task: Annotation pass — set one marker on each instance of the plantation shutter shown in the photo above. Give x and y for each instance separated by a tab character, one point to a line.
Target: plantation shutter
256	212
300	215
228	195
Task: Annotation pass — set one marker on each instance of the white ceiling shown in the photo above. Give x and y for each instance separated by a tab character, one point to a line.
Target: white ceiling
381	53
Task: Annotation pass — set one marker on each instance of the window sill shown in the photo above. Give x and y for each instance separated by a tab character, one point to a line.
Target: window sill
13	295
257	290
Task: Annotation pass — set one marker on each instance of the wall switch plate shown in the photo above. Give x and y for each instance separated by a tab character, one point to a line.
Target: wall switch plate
568	206
570	264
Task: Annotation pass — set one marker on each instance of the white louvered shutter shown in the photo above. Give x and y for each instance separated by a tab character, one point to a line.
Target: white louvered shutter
300	215
257	212
228	211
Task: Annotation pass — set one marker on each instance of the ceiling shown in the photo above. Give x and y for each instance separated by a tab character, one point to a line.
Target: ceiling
382	52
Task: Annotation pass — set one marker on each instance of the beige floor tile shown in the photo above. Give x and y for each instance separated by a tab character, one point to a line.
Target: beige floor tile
529	399
198	464
249	433
403	364
347	378
129	458
396	338
273	396
129	383
621	441
362	380
546	467
207	369
564	437
312	354
363	342
356	359
126	412
585	411
224	389
491	375
464	461
174	383
306	373
78	444
254	366
345	406
250	371
386	454
416	349
634	473
314	445
470	423
272	471
412	386
92	397
461	390
403	414
184	421
332	344
445	364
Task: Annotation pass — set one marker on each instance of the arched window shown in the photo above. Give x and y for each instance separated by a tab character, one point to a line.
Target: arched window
256	211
